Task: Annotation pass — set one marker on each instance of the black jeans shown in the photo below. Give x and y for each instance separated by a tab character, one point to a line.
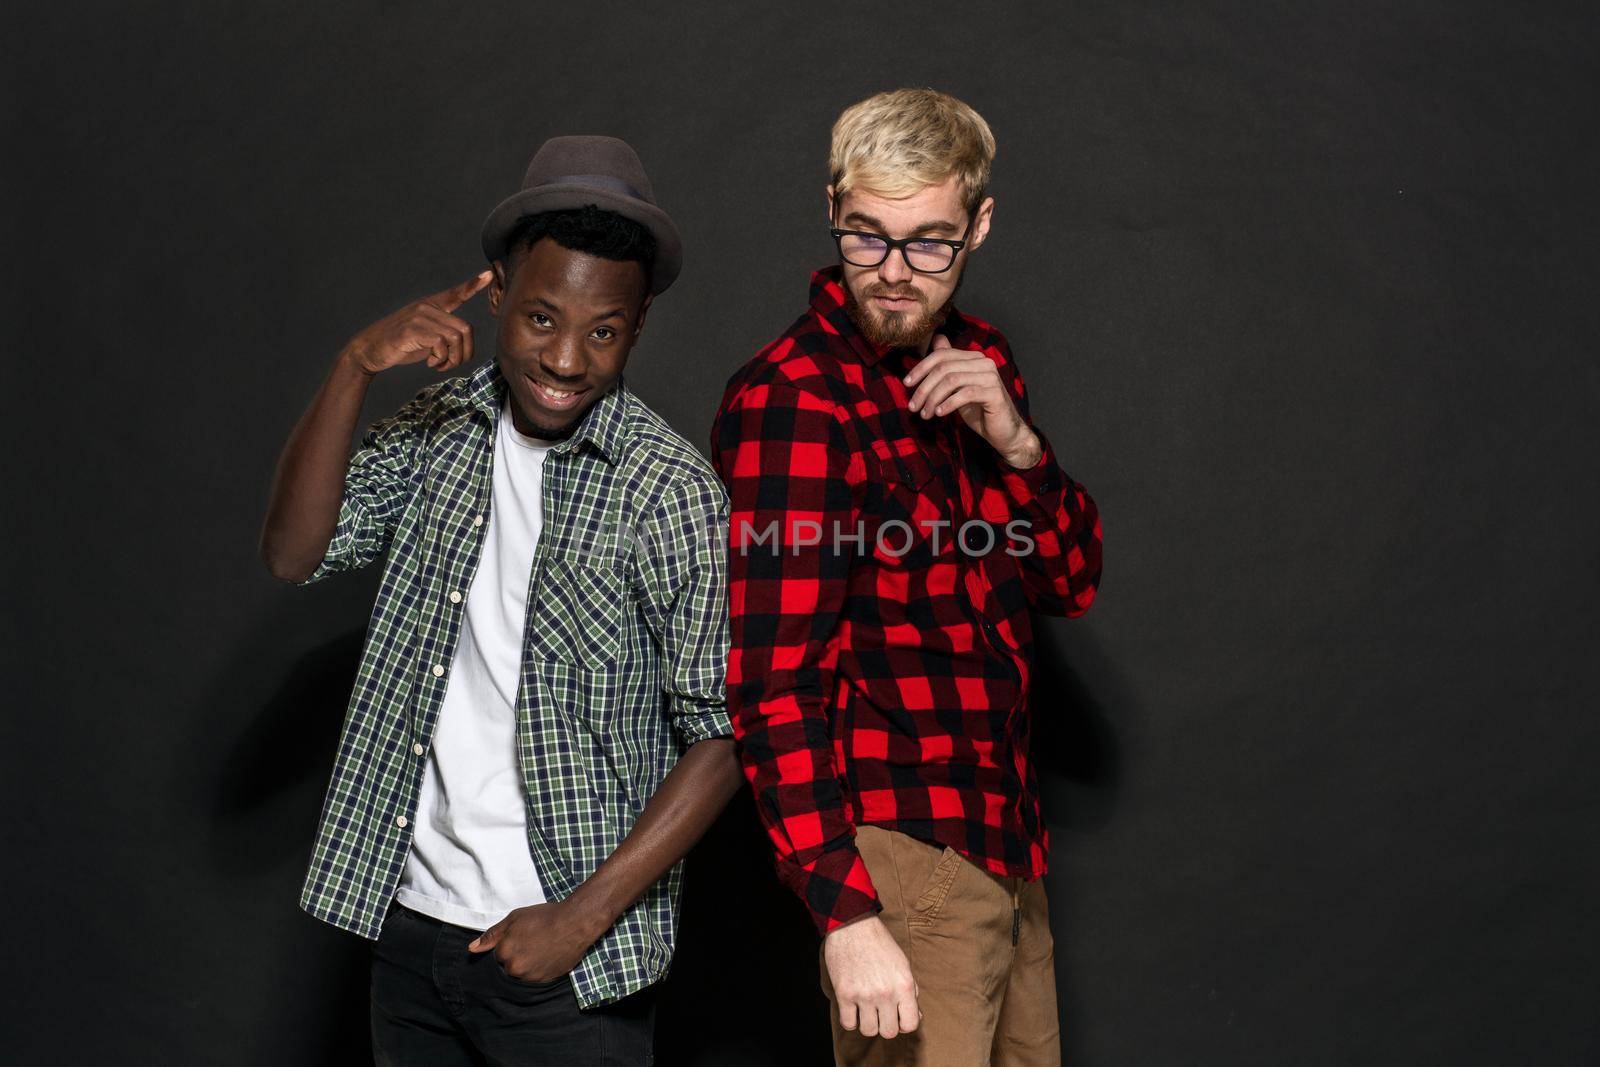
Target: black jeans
435	1003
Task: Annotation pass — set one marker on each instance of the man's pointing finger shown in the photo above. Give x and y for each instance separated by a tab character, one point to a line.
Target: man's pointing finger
453	297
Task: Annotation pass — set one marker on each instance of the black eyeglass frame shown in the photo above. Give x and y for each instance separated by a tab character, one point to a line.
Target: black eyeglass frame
892	243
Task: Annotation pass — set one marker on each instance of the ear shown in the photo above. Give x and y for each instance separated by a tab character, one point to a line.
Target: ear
497	286
980	223
831	223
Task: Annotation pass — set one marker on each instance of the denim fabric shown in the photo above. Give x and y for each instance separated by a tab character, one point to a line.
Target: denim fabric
435	1003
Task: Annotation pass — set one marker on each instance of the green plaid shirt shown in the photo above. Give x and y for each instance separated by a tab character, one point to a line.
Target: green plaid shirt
625	648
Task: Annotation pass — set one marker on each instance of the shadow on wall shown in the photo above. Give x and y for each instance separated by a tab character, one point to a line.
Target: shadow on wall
286	747
745	989
260	796
1079	703
1076	751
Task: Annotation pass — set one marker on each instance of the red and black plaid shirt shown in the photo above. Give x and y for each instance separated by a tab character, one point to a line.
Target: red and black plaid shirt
881	677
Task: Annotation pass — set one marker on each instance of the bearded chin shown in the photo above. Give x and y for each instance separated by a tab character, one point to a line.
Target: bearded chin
896	329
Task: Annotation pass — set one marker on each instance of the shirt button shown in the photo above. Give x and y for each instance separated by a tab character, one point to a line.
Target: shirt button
400	821
438	670
416	746
477	520
455	596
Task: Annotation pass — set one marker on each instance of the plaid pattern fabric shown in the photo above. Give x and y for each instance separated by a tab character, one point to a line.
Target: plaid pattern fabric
625	648
881	677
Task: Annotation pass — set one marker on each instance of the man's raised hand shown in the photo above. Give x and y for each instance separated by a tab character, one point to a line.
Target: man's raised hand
951	380
424	329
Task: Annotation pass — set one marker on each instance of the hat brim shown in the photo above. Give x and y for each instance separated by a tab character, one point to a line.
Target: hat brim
514	208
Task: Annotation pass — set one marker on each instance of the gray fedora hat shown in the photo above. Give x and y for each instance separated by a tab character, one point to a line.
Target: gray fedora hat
569	172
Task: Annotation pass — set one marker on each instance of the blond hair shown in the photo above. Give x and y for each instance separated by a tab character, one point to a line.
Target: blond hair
895	143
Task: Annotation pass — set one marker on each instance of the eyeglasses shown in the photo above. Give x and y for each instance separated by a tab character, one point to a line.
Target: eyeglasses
925	255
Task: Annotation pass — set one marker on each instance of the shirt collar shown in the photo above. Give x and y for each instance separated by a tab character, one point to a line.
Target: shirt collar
828	301
604	425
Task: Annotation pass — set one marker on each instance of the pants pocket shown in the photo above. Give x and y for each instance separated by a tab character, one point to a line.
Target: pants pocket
518	983
925	910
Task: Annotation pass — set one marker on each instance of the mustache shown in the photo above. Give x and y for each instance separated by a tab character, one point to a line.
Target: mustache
880	289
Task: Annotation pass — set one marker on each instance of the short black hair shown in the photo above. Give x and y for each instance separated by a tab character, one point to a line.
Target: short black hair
589	229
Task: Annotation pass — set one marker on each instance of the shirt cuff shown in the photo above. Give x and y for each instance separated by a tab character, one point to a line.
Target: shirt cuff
340	547
700	722
1025	487
835	887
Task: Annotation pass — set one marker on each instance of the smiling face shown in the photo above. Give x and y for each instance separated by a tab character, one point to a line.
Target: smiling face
891	304
567	322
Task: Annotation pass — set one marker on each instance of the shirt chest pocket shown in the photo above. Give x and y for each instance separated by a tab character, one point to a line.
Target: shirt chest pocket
913	513
577	613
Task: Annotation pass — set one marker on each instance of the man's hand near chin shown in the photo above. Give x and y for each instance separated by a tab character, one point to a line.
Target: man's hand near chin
871	978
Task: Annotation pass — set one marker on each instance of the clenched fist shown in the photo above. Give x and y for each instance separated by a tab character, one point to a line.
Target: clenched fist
873	989
542	942
423	329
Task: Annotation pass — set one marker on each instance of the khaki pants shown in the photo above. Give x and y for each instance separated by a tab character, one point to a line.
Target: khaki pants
984	1001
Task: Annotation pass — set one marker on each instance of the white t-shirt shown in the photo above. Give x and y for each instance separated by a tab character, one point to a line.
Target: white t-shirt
469	862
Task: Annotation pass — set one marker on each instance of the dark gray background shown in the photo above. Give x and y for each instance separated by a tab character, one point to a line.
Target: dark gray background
1303	292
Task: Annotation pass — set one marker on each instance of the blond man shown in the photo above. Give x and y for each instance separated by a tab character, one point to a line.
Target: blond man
895	516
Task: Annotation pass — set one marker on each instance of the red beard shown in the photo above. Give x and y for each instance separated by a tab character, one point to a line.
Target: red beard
894	329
